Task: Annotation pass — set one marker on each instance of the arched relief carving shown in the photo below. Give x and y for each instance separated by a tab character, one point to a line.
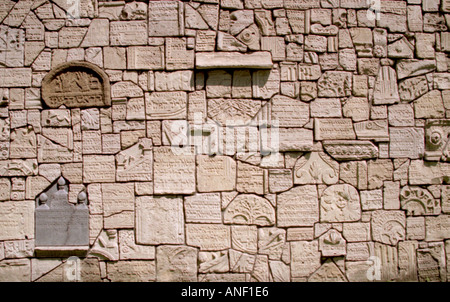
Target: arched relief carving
76	84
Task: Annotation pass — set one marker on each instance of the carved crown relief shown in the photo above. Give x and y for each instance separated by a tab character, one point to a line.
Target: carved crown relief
76	84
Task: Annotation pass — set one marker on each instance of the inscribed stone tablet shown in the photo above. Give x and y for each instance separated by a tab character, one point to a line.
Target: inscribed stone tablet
165	18
173	173
145	57
289	112
333	129
204	208
118	205
298	207
76	84
305	258
209	237
406	142
99	168
128	33
136	162
159	220
17	222
215	173
166	105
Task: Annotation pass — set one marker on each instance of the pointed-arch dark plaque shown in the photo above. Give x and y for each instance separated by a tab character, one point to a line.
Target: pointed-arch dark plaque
61	227
76	84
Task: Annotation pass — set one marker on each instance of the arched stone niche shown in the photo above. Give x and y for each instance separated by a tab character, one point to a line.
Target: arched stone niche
76	84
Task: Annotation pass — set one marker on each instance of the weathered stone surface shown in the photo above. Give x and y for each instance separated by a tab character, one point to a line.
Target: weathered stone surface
430	105
257	60
435	133
145	57
334	84
233	112
18	221
209	237
249	209
15	77
98	168
176	264
340	203
159	220
350	150
87	85
436	227
316	168
418	201
215	173
174	172
298	207
15	270
431	263
332	244
388	227
305	258
372	130
166	105
128	33
333	128
409	68
177	54
203	208
386	91
406	142
165	19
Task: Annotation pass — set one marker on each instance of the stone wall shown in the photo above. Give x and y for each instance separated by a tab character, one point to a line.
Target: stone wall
231	140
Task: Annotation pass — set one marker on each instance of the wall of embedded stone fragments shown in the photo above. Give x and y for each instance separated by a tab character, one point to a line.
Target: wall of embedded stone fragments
316	138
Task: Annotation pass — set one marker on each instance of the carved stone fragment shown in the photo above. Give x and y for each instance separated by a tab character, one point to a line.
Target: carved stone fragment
76	84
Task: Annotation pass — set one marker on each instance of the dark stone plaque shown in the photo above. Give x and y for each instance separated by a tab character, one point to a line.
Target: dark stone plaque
60	225
76	84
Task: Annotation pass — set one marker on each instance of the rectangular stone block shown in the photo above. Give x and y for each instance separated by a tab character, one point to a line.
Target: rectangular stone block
15	77
216	173
159	220
145	57
165	18
333	129
166	105
208	237
128	33
17	221
256	60
203	208
174	171
99	168
118	205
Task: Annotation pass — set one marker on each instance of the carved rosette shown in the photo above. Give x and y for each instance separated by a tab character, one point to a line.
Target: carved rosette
418	201
76	84
340	203
437	137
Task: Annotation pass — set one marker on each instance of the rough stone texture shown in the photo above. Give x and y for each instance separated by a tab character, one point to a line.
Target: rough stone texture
232	140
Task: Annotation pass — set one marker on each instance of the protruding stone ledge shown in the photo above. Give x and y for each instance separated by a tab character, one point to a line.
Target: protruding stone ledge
212	60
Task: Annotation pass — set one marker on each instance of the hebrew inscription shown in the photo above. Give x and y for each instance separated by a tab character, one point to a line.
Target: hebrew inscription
76	84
